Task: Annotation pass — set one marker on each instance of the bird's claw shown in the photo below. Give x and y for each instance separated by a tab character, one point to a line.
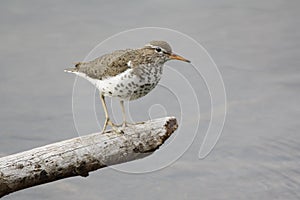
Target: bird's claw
118	128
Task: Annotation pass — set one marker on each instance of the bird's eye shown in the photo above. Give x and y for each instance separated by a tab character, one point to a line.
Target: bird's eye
157	49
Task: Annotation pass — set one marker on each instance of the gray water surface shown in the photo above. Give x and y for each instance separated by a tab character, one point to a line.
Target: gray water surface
256	45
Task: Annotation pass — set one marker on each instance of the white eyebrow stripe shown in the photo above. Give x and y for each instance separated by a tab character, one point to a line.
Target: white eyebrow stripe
152	46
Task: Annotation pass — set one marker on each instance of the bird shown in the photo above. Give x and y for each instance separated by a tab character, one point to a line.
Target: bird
126	74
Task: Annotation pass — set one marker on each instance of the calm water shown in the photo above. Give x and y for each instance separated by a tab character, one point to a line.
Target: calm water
256	45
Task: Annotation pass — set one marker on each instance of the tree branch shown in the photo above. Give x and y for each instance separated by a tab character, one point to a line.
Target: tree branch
79	156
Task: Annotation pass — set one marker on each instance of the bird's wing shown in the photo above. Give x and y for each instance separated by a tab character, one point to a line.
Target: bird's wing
107	65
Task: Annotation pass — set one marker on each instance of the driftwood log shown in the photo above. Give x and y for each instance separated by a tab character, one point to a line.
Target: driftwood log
79	156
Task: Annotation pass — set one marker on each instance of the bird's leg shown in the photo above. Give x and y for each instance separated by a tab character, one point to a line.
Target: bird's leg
107	120
105	111
125	123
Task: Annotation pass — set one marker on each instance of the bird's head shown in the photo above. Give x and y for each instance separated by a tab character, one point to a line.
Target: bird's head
163	51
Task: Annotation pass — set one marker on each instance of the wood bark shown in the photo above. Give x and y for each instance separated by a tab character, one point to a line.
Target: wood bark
81	155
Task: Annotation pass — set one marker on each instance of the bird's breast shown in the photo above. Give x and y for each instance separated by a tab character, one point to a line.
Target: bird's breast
132	83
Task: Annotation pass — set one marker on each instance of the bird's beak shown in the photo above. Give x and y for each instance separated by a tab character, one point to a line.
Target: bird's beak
174	56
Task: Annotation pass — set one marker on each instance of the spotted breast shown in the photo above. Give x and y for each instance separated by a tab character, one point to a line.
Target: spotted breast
131	84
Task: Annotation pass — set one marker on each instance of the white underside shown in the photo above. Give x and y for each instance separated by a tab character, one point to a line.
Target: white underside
115	86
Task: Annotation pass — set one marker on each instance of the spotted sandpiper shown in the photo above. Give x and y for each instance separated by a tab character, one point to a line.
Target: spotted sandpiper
126	74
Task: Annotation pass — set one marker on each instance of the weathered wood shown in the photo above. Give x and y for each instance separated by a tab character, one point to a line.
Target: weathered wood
81	155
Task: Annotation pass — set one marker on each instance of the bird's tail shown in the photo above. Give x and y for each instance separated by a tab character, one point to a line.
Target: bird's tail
73	69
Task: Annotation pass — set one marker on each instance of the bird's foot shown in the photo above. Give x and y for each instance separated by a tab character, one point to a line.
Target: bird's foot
115	127
126	124
118	128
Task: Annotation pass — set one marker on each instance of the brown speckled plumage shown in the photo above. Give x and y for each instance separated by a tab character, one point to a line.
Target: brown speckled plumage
127	74
115	63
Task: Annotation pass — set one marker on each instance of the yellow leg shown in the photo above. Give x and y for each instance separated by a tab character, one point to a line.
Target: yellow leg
107	120
124	124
